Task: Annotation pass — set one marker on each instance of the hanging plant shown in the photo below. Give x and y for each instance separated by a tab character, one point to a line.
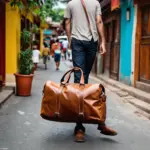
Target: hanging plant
16	3
27	6
35	28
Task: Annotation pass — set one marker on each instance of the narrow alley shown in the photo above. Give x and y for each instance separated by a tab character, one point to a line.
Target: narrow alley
22	128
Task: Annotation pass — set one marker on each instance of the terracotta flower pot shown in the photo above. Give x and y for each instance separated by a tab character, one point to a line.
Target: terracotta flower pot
23	84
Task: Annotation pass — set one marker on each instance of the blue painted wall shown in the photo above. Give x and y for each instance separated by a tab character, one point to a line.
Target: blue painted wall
126	42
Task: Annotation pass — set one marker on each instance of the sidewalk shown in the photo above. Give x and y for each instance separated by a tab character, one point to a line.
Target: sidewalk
131	90
134	96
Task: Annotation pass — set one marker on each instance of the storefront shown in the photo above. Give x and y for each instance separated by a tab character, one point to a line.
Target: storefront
111	18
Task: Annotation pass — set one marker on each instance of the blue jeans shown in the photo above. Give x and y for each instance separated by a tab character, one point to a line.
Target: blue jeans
83	56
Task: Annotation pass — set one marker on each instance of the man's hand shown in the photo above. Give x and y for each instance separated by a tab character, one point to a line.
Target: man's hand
69	43
102	48
100	27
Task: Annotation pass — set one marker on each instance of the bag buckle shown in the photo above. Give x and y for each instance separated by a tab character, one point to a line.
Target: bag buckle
103	96
57	114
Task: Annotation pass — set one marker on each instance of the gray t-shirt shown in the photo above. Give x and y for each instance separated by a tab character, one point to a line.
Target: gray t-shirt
75	12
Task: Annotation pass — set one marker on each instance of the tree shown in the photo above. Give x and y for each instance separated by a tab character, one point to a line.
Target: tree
46	10
57	14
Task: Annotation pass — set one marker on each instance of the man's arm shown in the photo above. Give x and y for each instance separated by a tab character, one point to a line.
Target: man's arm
100	27
67	17
68	30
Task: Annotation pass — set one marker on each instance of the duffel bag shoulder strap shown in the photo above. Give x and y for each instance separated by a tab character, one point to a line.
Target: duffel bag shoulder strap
86	14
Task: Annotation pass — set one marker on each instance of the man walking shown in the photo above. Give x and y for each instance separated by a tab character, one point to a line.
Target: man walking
84	27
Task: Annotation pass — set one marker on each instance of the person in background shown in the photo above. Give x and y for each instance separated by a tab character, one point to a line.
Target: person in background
53	48
61	49
52	41
48	46
35	56
62	55
45	54
65	48
69	54
57	53
61	45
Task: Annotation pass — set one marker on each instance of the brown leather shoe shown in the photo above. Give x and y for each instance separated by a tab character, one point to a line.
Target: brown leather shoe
79	136
107	131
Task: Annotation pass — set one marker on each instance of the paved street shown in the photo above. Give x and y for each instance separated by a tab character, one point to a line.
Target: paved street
22	128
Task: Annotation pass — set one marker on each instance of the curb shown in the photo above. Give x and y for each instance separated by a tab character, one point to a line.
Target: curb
144	96
4	98
141	105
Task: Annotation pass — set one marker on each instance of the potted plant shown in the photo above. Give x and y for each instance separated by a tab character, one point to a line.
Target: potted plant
24	76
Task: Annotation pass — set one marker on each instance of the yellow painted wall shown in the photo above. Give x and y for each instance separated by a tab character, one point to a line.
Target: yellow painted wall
13	28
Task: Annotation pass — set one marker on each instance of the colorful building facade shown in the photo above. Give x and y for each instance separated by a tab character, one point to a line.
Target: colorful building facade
10	44
127	31
126	41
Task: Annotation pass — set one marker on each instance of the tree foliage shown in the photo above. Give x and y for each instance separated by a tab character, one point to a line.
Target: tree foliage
57	14
47	11
38	8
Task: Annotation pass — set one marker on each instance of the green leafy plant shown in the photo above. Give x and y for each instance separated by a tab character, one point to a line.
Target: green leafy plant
25	62
35	28
46	10
17	3
27	6
25	39
38	8
25	56
57	14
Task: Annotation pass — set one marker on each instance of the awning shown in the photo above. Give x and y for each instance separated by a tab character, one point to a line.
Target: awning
47	32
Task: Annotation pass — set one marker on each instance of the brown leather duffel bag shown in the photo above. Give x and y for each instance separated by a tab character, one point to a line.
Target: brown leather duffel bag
72	102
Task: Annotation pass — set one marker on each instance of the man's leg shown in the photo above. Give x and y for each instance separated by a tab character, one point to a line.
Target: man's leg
91	49
78	56
65	55
45	61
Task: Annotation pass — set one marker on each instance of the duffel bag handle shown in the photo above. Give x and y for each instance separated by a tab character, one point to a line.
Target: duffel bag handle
63	81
